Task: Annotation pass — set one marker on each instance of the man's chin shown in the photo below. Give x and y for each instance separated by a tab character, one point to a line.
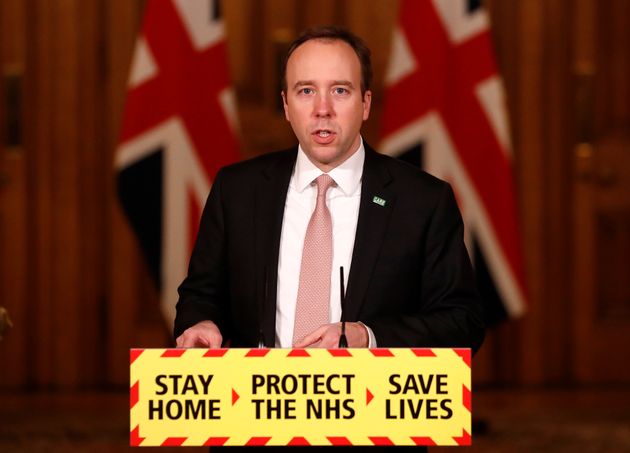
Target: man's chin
323	156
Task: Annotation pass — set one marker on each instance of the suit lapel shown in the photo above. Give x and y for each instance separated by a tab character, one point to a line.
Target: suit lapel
271	194
377	202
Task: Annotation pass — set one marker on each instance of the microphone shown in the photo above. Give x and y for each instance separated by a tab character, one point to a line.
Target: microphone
261	312
343	341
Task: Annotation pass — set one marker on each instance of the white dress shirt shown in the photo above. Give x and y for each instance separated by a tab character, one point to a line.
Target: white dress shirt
343	202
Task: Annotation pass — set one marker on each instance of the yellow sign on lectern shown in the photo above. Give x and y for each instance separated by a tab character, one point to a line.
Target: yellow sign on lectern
195	397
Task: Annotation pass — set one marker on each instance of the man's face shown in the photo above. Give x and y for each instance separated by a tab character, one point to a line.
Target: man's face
323	101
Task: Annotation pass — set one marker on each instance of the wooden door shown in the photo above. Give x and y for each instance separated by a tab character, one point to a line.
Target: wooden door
601	183
14	215
63	67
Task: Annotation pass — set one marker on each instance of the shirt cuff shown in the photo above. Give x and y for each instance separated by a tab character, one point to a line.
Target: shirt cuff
371	337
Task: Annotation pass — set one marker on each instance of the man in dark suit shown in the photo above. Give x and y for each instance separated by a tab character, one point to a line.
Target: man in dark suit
396	229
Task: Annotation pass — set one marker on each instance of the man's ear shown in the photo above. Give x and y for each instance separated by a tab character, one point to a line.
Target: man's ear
367	103
285	105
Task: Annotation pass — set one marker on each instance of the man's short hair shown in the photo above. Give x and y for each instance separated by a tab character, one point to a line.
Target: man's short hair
334	33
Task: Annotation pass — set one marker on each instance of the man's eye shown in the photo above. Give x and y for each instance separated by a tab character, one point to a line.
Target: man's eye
340	90
306	91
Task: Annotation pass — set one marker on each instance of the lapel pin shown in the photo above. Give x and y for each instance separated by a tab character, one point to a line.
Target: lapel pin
379	201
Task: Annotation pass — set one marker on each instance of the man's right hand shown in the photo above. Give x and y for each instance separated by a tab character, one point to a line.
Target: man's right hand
204	334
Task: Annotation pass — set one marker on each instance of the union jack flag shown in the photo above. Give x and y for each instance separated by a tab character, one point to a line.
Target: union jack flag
178	129
444	109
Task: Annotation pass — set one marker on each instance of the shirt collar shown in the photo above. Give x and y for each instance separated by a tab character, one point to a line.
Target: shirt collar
347	175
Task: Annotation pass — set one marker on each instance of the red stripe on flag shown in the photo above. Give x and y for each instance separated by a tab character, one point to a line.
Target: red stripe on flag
175	352
467	123
188	88
138	118
476	56
403	104
215	441
445	80
481	155
185	75
134	354
134	394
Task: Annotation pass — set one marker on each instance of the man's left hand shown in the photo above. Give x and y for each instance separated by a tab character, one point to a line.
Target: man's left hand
327	336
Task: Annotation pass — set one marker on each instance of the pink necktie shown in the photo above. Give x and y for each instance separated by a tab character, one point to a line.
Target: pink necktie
313	300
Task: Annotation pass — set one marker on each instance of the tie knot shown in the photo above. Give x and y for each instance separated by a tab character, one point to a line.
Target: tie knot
324	182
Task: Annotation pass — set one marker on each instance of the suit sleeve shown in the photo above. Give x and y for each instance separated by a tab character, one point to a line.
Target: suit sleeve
448	312
203	295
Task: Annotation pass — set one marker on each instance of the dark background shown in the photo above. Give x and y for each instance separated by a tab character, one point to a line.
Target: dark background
77	290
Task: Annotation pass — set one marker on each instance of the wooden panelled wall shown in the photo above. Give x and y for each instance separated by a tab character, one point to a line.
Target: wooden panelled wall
70	271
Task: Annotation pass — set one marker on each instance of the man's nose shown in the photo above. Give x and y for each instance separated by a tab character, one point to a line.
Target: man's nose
323	106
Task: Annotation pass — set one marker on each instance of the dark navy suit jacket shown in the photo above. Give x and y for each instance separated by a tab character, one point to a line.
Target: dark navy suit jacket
410	278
